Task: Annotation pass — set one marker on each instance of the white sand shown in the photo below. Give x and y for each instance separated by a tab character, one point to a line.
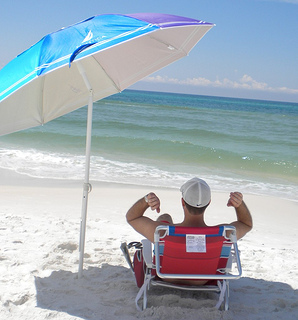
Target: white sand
39	232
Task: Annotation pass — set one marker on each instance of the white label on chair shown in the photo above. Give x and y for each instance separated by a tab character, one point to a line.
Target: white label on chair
196	243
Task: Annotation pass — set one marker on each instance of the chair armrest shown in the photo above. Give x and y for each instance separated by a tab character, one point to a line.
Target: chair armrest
147	252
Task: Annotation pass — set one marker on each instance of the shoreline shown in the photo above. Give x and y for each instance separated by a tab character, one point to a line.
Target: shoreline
63	198
12	178
69	193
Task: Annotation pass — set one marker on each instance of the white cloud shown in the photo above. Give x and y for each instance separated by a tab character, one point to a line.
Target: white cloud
245	82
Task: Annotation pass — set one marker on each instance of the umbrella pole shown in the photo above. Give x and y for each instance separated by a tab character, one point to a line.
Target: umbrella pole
87	186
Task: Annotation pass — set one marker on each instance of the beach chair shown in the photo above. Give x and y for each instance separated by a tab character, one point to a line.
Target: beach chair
191	254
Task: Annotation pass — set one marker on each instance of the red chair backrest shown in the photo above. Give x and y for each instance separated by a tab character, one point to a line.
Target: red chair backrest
193	250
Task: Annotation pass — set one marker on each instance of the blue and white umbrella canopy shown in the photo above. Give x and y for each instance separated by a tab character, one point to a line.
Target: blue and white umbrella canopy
86	62
115	51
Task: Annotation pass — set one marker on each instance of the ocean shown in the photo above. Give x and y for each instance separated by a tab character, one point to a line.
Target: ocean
163	139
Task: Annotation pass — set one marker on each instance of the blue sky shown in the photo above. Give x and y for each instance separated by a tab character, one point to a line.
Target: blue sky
251	53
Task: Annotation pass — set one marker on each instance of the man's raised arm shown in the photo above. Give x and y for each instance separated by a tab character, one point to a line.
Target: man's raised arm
135	215
244	220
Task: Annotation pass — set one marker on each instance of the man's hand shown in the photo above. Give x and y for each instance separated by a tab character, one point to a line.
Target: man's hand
153	201
235	199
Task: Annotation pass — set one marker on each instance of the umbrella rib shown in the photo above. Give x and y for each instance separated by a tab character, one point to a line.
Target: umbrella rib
184	44
108	75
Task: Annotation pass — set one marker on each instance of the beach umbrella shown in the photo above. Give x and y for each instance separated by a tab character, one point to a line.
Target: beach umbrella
86	62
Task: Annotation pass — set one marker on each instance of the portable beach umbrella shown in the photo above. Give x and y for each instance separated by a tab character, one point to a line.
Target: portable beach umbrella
86	62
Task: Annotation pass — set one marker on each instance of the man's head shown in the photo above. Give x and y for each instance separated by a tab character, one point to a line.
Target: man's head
196	194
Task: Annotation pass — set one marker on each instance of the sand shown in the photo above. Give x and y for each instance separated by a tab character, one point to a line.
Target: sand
39	232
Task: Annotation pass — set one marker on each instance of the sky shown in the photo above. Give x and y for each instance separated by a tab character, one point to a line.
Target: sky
252	52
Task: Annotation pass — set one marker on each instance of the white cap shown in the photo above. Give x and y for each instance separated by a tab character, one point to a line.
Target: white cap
196	192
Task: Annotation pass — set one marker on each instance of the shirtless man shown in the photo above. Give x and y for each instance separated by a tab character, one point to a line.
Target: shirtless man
196	196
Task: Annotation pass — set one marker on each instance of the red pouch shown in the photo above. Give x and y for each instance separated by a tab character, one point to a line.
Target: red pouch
139	267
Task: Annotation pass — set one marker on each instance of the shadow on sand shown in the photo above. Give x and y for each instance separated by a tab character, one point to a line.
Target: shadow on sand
109	292
97	293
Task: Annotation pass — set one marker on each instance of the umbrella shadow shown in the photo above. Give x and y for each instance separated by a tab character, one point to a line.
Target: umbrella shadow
108	292
96	294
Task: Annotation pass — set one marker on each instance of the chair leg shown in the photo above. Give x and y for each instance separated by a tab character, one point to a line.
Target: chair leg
142	294
146	288
222	285
143	291
145	298
227	296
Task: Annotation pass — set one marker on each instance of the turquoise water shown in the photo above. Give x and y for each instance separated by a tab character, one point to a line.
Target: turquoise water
162	139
